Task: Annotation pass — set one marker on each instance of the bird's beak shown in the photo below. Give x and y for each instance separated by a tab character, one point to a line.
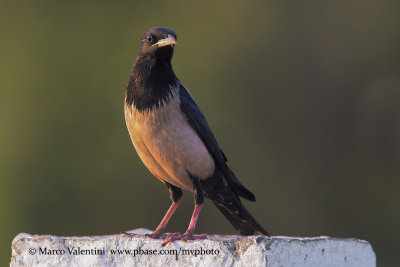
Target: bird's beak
170	40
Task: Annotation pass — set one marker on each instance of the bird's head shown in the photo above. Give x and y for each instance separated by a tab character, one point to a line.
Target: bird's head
158	43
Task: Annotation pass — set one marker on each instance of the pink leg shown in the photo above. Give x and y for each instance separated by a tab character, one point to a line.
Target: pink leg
188	235
160	228
193	220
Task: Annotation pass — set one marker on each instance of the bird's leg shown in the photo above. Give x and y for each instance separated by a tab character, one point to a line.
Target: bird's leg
190	231
160	228
198	201
175	194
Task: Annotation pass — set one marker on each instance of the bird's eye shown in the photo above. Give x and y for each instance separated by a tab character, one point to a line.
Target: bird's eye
149	38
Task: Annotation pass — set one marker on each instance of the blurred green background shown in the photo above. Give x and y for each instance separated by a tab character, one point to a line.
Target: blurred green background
303	97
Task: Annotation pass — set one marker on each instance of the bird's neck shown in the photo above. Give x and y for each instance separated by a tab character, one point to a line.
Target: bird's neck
151	83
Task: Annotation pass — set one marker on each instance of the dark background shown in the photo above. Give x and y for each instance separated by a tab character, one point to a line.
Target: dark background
303	97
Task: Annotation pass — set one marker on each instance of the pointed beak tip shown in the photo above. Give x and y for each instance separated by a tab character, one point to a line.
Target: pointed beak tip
170	40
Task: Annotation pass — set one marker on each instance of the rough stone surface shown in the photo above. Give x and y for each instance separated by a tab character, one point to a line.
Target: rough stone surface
46	250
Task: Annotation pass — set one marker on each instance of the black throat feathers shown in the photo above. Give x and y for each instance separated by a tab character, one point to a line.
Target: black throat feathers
150	84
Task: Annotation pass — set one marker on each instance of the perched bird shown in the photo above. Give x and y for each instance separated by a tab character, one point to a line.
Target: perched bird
175	142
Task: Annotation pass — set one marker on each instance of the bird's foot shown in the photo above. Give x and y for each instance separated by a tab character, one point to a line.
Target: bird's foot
185	237
128	234
156	235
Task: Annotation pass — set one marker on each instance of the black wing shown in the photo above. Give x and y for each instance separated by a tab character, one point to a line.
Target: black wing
198	122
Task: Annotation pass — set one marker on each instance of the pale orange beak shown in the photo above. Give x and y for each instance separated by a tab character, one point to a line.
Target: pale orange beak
170	40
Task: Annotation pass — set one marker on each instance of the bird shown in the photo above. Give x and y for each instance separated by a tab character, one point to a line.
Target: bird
175	142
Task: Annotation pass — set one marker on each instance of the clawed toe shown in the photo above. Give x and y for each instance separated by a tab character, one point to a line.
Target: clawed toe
128	234
172	237
156	235
203	236
184	237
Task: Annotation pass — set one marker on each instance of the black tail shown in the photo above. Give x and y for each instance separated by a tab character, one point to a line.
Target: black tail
225	194
237	186
239	216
